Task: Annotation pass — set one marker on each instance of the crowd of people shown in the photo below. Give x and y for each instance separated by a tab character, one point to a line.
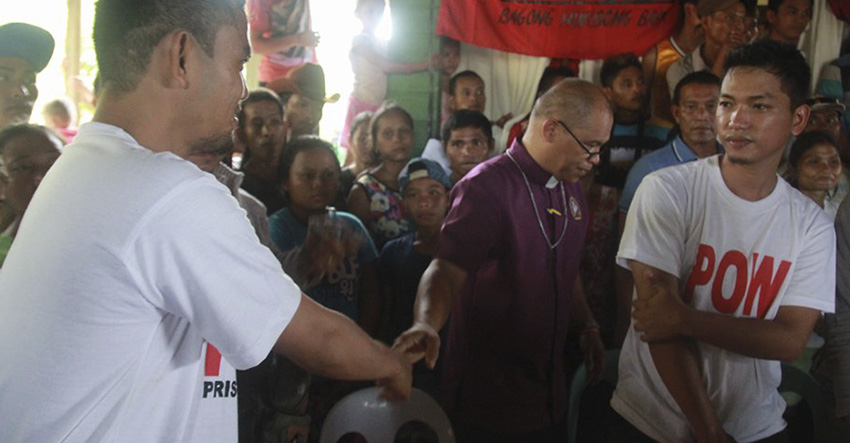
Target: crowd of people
196	264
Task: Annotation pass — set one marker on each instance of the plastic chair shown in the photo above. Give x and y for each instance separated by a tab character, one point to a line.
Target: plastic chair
801	383
379	421
579	383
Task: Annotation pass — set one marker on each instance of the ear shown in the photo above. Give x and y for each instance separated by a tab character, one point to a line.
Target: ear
549	130
674	109
609	93
492	145
177	51
799	119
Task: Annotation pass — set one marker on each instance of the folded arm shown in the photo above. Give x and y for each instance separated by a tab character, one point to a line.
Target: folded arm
675	359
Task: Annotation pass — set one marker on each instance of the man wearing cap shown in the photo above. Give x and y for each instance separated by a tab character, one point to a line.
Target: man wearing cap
826	117
24	51
302	92
506	267
724	26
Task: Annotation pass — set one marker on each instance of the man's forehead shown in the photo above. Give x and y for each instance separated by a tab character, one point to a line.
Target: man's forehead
750	82
700	89
16	64
467	133
261	108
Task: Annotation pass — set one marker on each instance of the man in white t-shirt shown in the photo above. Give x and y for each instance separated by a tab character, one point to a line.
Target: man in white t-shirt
732	268
136	284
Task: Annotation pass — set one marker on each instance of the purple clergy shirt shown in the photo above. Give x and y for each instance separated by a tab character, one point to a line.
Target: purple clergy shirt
504	362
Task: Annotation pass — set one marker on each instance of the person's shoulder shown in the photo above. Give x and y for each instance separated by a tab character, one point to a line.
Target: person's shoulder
813	216
351	220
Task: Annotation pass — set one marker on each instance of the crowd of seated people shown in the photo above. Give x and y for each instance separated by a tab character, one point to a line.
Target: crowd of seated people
393	241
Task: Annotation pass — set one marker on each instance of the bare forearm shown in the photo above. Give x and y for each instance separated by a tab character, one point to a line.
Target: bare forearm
327	343
433	299
676	363
777	339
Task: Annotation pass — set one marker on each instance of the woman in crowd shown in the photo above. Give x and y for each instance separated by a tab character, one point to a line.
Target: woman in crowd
814	167
26	153
375	198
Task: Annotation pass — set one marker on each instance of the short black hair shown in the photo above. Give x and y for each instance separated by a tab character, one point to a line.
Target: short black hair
774	5
359	120
11	132
694	78
612	66
782	60
465	118
256	96
127	31
300	144
386	108
448	41
806	141
549	75
459	75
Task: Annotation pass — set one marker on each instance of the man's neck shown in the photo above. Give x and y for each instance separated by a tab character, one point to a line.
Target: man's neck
626	117
702	149
751	182
152	124
426	240
709	52
687	39
776	37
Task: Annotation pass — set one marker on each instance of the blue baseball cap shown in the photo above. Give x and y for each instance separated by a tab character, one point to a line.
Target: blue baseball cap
418	168
28	42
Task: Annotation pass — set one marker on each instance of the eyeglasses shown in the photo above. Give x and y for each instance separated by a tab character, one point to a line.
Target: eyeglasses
590	154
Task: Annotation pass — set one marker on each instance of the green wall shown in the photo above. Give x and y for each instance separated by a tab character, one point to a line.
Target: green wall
413	39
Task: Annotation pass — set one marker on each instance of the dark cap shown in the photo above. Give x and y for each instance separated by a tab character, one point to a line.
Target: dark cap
307	80
418	168
824	103
28	42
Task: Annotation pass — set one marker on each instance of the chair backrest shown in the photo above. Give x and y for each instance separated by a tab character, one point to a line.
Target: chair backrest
579	383
801	383
379	421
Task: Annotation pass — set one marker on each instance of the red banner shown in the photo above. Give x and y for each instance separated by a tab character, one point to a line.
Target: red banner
581	29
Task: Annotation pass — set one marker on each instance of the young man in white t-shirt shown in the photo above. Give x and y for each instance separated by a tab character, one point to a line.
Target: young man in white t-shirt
732	268
136	284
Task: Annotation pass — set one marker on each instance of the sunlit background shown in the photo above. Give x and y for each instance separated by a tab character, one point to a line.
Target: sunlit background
333	19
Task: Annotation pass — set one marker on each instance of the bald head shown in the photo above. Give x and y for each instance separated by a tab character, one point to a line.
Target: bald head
572	101
569	154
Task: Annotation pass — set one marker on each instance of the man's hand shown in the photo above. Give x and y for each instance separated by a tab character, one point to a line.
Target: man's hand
661	314
594	354
397	387
421	340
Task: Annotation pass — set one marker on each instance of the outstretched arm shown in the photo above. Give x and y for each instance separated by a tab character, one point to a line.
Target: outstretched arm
327	343
437	288
675	359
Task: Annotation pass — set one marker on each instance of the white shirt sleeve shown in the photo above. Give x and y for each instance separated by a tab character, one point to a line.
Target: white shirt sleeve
196	256
655	228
